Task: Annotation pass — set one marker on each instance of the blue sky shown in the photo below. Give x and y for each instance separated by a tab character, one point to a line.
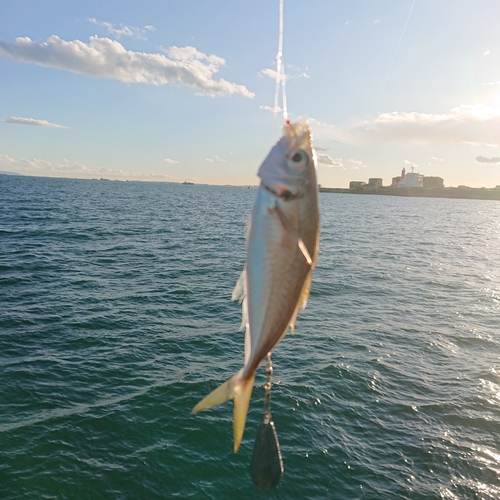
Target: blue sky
181	90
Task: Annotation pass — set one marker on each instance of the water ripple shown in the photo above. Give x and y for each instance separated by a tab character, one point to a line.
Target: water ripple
116	319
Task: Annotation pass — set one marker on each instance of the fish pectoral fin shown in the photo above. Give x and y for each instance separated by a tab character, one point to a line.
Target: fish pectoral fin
301	304
305	252
292	231
239	389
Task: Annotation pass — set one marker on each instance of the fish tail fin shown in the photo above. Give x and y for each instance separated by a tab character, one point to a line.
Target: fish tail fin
239	389
242	395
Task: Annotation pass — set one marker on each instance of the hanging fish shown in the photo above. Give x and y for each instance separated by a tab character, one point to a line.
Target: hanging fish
282	247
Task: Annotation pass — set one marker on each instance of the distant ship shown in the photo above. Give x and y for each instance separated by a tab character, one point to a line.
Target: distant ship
186	183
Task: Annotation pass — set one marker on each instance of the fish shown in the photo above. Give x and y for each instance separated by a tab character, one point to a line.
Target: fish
281	252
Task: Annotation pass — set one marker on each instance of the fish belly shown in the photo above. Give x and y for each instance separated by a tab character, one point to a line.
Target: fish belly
275	271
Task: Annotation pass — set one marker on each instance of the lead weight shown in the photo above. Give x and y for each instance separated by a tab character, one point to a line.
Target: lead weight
266	467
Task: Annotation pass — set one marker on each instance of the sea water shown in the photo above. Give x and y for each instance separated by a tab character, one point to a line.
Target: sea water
115	320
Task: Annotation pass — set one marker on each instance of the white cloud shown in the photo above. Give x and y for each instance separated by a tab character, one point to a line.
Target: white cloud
464	124
7	163
122	30
32	121
323	131
216	158
435	158
326	161
410	164
483	159
488	52
271	73
376	21
71	168
106	58
188	54
39	166
356	164
169	160
477	124
273	109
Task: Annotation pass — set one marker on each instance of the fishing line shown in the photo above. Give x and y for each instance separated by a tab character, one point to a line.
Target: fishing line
268	385
394	56
266	466
280	70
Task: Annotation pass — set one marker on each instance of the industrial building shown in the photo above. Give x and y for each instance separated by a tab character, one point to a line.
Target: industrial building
405	180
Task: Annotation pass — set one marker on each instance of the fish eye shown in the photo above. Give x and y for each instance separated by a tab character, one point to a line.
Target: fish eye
300	157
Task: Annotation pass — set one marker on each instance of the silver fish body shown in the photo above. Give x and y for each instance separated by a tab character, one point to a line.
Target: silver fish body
282	247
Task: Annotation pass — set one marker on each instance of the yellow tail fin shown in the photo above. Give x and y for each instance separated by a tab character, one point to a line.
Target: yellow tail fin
236	388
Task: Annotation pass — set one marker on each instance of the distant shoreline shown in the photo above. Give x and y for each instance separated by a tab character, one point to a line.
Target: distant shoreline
3	172
447	192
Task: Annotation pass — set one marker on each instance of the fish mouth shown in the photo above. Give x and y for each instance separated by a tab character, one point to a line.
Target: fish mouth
284	194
